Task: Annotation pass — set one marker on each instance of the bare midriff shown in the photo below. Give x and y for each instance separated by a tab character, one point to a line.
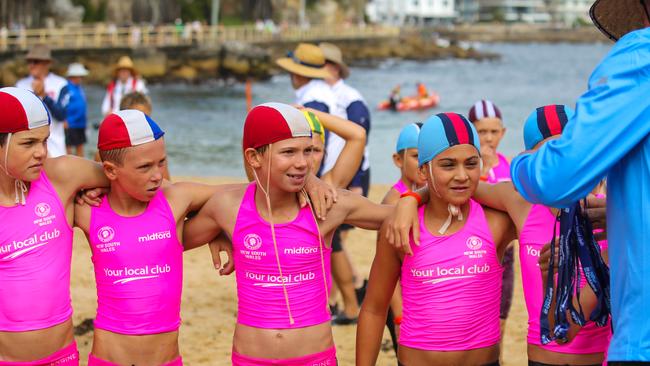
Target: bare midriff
282	343
475	357
19	346
141	350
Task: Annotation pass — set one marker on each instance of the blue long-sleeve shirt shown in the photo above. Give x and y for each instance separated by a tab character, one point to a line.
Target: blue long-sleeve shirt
73	100
609	136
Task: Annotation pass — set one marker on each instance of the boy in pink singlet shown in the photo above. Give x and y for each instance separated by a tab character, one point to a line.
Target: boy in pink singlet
451	284
36	210
281	251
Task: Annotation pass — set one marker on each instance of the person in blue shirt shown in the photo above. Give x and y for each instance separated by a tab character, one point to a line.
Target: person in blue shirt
73	102
609	136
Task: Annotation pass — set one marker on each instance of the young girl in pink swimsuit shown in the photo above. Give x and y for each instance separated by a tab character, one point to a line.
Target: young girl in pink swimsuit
281	250
36	210
451	284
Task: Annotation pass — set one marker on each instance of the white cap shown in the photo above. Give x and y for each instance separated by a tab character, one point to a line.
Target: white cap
76	69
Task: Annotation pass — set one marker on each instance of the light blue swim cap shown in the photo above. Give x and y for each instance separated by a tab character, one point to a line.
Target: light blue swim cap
545	122
408	137
443	131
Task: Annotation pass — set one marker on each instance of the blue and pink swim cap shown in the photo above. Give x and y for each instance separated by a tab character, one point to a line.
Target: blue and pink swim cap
545	122
127	128
408	137
442	131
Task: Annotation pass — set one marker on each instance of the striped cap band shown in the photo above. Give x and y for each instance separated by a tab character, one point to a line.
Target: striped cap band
545	122
314	123
408	137
443	131
484	109
272	122
21	110
127	128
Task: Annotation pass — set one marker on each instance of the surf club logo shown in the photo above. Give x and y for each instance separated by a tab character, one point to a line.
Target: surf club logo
105	234
474	243
42	209
252	242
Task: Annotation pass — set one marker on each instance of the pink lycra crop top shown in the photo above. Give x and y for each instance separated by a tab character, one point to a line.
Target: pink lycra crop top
537	232
451	288
400	187
305	265
35	256
138	268
500	172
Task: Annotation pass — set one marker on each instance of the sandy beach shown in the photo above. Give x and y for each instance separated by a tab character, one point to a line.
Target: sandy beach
209	303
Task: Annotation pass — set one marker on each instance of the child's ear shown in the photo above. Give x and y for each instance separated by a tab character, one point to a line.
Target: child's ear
253	158
397	160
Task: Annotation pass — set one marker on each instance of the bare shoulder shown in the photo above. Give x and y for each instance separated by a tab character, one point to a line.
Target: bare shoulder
391	197
228	197
500	223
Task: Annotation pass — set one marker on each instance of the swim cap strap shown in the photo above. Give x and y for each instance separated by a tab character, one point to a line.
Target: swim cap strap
19	185
272	224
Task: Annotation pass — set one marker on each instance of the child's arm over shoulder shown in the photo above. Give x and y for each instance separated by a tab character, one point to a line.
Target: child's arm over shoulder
217	214
356	210
186	197
69	174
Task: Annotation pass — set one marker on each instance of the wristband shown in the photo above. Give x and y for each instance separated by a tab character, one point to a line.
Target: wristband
412	194
397	320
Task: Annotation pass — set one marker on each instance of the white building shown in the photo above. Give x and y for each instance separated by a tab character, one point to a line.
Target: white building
570	12
529	11
400	12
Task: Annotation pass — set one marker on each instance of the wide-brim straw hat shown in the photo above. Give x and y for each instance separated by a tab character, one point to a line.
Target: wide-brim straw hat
333	54
76	70
39	52
616	18
125	62
306	60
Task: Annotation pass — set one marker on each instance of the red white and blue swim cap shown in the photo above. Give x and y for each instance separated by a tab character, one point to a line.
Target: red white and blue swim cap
442	131
408	137
545	122
127	128
272	122
21	110
484	109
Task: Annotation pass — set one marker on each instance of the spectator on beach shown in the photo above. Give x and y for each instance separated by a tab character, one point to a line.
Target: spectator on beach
47	86
73	101
125	80
352	106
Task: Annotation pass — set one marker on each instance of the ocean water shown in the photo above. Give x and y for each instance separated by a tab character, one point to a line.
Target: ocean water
203	123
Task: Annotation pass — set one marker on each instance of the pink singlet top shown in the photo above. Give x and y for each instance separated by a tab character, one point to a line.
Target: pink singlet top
400	187
35	255
537	232
451	288
304	262
500	172
138	268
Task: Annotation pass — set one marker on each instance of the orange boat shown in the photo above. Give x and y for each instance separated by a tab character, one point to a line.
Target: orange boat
412	103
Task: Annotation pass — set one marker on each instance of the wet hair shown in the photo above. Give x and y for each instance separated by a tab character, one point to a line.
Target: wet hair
115	156
133	99
262	149
3	138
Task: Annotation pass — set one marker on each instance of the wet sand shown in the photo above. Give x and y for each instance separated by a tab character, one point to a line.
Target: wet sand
209	304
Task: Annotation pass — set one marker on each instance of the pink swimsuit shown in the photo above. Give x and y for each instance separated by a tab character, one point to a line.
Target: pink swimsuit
305	268
500	172
451	288
35	256
537	232
400	187
138	268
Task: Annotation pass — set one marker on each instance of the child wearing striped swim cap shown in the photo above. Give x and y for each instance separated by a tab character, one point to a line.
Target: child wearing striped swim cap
488	121
545	123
